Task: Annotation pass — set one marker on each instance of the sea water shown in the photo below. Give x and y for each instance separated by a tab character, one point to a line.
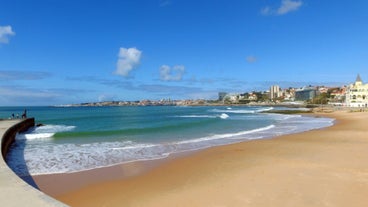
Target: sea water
74	139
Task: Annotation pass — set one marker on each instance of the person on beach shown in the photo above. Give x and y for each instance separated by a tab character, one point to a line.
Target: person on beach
24	115
13	116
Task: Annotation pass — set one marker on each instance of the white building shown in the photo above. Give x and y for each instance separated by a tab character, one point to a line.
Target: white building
357	94
275	92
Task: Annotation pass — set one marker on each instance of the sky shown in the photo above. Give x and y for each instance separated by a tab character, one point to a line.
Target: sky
73	51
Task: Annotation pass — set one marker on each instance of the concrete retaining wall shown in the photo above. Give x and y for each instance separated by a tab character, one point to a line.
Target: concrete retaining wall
9	136
13	190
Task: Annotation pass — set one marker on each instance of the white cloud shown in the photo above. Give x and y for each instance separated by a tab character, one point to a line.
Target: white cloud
266	11
285	7
128	59
23	92
16	75
175	73
288	6
5	32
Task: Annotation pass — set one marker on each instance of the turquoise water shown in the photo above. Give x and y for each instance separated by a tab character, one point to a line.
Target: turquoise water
80	138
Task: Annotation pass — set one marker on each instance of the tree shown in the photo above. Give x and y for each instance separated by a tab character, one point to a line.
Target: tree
320	99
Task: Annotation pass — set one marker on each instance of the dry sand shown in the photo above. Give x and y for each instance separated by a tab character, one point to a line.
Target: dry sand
327	167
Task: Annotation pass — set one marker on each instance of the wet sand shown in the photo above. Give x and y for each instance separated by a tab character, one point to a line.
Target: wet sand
326	167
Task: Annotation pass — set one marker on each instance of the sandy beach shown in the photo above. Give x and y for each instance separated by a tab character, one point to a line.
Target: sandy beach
326	167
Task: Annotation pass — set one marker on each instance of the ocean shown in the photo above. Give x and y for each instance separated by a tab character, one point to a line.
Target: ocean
74	139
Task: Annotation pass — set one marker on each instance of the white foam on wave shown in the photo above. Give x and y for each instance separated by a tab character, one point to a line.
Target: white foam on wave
72	157
264	109
48	158
279	117
43	132
34	136
54	128
229	135
197	116
134	146
224	116
241	111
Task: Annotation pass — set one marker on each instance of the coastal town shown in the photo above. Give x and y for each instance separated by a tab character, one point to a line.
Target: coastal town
181	103
352	95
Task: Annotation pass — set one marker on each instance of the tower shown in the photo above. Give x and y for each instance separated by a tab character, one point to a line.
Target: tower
357	94
274	92
358	81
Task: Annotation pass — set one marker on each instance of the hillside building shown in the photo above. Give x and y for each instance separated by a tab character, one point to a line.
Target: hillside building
306	94
221	96
357	94
275	92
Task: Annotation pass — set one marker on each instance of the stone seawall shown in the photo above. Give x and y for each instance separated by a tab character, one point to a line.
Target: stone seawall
9	136
13	190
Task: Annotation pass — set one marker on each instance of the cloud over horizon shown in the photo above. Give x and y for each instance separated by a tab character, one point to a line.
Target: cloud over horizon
174	73
128	59
15	75
286	6
20	95
5	32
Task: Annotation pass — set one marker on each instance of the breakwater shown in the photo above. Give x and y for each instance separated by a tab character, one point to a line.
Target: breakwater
13	190
9	135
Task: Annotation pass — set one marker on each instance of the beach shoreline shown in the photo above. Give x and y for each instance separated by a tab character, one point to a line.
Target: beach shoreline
290	168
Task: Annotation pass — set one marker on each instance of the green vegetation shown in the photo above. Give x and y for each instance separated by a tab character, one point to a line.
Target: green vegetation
322	98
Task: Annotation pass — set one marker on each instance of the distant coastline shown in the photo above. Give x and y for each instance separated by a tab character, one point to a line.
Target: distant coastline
199	102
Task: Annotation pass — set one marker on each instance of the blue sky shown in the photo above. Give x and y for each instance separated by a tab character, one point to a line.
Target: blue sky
72	51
